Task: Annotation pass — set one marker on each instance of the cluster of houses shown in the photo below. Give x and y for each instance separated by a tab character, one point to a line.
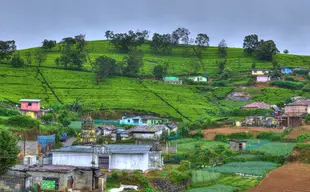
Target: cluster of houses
177	80
292	115
263	76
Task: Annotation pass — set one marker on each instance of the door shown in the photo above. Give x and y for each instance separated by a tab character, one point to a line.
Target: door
104	162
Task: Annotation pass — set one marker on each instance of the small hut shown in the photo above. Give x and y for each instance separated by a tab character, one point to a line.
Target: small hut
236	145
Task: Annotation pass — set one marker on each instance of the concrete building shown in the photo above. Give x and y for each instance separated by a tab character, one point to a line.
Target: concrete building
148	132
295	112
30	107
59	178
110	157
262	79
141	120
198	79
237	145
172	80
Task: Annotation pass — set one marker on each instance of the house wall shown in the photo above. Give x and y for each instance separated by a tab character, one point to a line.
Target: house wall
129	161
34	107
155	160
296	110
258	72
262	79
198	79
37	177
130	121
74	159
148	135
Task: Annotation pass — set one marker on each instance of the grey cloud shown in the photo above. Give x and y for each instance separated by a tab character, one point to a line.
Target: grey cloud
31	21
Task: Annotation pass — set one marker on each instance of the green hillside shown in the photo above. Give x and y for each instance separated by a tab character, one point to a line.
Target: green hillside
180	63
55	85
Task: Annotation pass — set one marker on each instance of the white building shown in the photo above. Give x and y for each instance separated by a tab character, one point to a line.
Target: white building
198	79
114	156
148	131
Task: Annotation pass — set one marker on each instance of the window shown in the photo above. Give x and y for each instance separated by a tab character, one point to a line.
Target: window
128	120
29	104
135	120
104	162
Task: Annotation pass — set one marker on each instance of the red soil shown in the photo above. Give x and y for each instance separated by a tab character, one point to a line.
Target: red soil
298	130
291	177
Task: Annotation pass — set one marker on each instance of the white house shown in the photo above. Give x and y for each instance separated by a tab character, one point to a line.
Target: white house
114	156
198	79
259	72
148	131
262	79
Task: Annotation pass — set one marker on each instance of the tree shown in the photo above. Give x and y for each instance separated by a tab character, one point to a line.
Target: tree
158	71
250	43
48	44
17	62
221	66
126	42
73	52
202	42
266	50
8	150
7	48
180	35
161	43
222	49
254	65
29	57
64	118
109	34
105	67
134	62
285	51
227	72
40	56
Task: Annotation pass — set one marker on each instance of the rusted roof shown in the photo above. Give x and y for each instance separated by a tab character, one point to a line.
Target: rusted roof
260	105
300	103
147	128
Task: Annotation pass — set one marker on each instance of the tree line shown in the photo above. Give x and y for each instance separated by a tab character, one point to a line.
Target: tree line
74	52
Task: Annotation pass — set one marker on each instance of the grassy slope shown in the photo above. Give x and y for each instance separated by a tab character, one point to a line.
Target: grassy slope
180	62
187	102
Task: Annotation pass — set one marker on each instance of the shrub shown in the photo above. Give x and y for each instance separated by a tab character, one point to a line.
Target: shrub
22	121
114	176
303	138
288	84
289	78
241	135
220	83
184	166
17	62
306	88
8	112
48	118
220	137
307	118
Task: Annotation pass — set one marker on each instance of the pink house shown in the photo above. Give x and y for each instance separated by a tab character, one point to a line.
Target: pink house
262	79
30	107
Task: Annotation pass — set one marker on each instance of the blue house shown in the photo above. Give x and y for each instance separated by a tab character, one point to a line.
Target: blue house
141	120
286	70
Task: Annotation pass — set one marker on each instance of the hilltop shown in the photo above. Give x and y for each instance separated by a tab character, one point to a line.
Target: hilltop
56	85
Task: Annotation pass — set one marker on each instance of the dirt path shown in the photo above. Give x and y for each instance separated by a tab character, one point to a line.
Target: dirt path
298	130
291	177
210	133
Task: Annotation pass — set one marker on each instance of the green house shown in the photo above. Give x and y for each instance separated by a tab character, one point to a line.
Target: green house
171	78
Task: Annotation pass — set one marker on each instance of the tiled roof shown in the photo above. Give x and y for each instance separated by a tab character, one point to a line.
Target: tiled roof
300	103
260	105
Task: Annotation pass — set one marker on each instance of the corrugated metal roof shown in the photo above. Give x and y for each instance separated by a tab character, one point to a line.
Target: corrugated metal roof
30	100
147	128
114	148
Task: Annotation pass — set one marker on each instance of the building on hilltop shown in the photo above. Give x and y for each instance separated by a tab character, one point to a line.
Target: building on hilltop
88	134
142	120
172	80
198	79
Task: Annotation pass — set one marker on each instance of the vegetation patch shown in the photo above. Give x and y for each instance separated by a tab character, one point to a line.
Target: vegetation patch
215	188
256	168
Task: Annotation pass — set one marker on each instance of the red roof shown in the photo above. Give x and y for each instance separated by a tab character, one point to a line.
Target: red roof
260	105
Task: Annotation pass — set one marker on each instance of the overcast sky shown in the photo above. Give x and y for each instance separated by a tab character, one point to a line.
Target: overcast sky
286	22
